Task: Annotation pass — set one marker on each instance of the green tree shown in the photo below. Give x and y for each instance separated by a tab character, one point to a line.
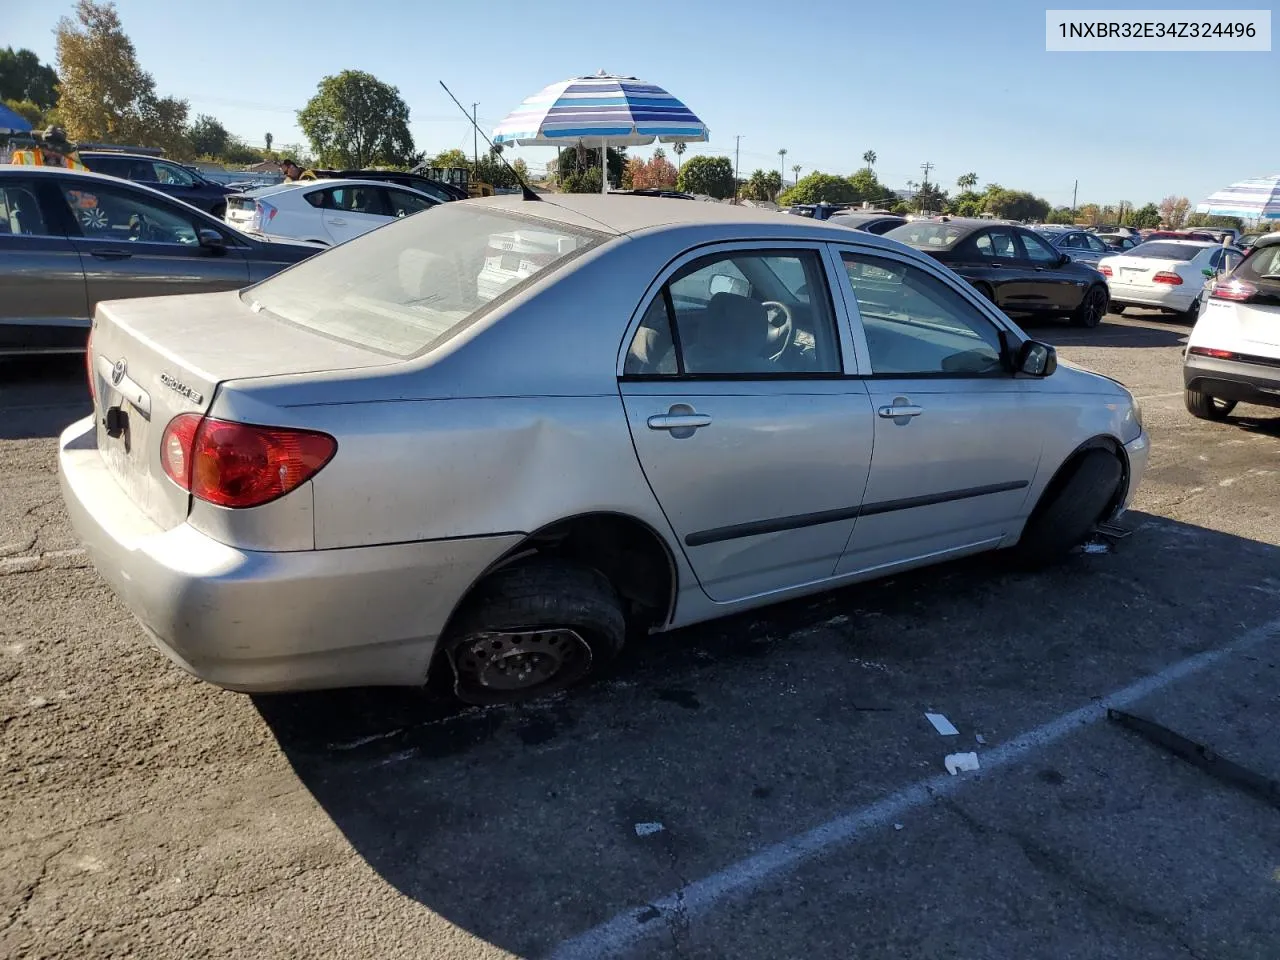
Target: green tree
104	93
678	148
967	204
761	185
581	181
1205	220
451	158
24	78
267	139
869	158
1145	217
579	160
966	182
930	197
1016	205
1062	215
208	137
866	186
820	187
28	110
712	176
356	120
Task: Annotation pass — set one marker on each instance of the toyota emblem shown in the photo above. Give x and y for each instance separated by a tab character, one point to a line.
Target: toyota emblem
117	371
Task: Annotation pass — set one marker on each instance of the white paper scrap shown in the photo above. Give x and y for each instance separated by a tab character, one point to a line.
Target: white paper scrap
646	829
942	724
960	762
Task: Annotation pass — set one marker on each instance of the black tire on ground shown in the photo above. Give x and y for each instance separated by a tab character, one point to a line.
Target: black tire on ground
1069	509
1192	313
1093	307
1200	404
529	601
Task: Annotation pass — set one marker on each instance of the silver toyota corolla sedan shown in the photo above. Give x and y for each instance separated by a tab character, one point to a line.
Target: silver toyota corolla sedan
501	438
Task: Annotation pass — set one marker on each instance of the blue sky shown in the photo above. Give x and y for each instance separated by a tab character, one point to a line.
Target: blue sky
965	85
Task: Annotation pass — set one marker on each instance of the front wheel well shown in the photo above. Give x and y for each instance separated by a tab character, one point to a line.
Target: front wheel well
1067	468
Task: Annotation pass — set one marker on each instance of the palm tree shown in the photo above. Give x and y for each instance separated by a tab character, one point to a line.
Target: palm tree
796	171
911	186
679	149
782	164
869	158
967	182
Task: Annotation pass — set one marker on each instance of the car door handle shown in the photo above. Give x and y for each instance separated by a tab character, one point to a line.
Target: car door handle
112	254
337	221
890	412
678	421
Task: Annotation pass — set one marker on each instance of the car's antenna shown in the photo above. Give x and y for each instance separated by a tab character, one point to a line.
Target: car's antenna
494	151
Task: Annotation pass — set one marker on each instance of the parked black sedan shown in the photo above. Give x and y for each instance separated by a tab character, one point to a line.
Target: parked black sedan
1012	266
868	222
69	239
181	183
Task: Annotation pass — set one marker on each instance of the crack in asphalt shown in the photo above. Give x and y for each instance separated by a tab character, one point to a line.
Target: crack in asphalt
29	892
1057	867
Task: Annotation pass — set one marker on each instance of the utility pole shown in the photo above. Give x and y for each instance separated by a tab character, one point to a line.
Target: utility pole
926	167
737	142
1074	187
475	138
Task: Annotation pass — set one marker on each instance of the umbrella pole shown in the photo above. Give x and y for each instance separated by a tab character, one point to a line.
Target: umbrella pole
604	165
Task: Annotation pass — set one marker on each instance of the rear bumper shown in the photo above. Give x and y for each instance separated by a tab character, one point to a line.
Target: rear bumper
257	621
1233	380
1164	296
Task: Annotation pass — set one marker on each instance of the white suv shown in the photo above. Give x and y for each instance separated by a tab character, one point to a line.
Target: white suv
1233	353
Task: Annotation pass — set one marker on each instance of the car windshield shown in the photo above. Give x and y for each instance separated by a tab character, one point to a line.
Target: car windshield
929	234
1166	251
409	286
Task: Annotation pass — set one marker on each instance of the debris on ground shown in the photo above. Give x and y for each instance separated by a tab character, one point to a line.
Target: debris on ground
960	762
942	724
648	829
980	738
1096	547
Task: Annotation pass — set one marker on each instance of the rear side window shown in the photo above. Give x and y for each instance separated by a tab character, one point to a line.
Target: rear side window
410	286
1262	264
20	214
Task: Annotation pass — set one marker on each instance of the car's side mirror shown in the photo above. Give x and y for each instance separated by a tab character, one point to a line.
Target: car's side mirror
1036	359
723	283
1064	259
211	240
1209	272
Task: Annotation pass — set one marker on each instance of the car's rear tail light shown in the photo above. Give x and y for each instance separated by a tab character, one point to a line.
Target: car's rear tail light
1165	277
88	367
1104	270
1238	290
240	464
1211	352
263	214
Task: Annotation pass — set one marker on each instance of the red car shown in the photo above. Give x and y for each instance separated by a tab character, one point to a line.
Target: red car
1180	235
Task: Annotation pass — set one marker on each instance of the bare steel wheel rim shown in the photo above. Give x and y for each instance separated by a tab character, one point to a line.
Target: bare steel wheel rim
522	660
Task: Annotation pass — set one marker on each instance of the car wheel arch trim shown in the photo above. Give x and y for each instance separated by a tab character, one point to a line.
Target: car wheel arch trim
1098	442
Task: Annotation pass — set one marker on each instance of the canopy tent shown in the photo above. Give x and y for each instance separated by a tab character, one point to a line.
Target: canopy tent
613	110
11	122
1257	199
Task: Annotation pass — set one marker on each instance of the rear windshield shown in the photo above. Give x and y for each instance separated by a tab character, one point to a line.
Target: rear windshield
1262	264
930	235
1166	251
412	284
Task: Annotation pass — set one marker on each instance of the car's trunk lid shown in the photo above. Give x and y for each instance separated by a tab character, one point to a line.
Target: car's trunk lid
155	358
1140	270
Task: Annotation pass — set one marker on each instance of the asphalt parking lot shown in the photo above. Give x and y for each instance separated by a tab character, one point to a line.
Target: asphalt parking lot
790	792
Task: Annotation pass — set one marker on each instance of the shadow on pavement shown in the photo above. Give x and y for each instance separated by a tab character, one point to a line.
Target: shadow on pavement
519	824
1110	334
39	396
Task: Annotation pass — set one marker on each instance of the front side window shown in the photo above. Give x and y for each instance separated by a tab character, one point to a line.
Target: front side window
740	314
1094	244
107	212
411	285
368	200
1037	250
916	325
1072	241
20	212
173	175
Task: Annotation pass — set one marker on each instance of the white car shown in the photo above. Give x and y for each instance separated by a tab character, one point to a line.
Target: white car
1233	353
322	211
1166	274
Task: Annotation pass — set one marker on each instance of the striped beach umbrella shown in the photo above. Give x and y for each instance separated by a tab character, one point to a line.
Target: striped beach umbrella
1257	199
605	109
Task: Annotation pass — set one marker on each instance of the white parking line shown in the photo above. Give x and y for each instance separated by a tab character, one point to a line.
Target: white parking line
617	936
54	558
1158	396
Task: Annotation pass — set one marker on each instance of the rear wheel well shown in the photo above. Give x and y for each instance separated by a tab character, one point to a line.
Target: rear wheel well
630	554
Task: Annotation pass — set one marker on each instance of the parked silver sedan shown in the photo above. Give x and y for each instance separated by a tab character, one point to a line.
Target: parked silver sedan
499	439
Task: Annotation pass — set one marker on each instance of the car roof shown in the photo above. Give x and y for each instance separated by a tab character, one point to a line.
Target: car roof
1188	243
121	153
622	214
326	184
